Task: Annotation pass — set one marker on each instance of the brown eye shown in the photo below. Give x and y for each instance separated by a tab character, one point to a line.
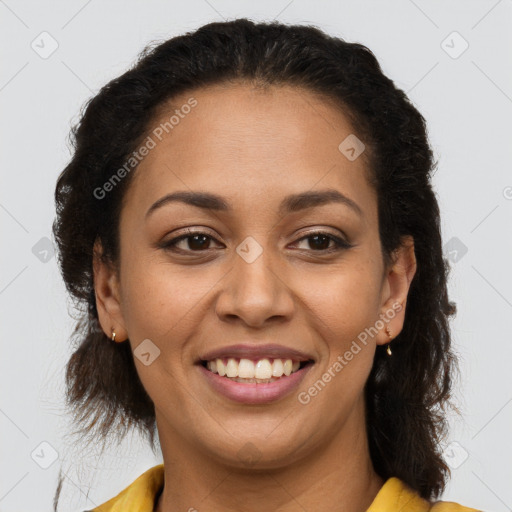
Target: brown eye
320	242
193	242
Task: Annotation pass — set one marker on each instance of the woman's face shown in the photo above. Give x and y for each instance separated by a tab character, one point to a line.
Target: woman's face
263	271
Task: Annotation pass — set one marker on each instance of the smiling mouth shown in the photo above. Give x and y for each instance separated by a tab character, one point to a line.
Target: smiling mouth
250	371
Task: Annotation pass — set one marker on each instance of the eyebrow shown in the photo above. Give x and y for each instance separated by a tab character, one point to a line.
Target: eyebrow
290	204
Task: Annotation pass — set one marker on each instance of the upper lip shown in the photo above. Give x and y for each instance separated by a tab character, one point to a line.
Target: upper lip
252	351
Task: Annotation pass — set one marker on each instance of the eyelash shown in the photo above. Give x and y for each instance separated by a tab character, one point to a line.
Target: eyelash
339	243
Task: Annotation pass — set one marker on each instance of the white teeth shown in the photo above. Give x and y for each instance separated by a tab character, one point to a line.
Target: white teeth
221	368
263	369
277	368
246	370
255	381
232	368
287	367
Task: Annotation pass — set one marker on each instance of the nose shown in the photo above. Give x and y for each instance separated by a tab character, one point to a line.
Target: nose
255	292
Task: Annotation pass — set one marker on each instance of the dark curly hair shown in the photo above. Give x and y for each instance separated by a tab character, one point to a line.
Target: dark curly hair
406	395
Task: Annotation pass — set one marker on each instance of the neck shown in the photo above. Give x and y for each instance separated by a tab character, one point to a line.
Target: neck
337	476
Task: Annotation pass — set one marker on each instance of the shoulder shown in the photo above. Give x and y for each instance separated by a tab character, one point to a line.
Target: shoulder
450	506
396	495
139	496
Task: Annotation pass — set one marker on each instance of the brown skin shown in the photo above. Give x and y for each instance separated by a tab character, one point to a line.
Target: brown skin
254	147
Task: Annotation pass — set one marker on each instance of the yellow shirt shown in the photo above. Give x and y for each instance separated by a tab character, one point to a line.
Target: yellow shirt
394	496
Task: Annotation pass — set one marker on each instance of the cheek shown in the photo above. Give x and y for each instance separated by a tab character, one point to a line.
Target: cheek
341	311
158	298
165	306
345	301
343	307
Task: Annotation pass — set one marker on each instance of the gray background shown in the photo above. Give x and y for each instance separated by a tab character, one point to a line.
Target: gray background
466	97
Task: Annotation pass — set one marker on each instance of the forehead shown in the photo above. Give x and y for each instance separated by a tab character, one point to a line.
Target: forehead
249	143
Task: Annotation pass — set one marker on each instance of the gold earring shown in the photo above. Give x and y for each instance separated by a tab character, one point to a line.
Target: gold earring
113	334
388	332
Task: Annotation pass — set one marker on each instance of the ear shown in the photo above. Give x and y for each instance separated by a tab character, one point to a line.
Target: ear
396	288
106	287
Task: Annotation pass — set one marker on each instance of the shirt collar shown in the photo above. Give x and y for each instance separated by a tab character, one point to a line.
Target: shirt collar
142	494
396	495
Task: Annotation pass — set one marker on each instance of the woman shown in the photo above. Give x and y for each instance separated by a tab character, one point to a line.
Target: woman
248	217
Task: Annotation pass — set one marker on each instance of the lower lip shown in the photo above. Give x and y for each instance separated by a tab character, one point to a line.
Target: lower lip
255	393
